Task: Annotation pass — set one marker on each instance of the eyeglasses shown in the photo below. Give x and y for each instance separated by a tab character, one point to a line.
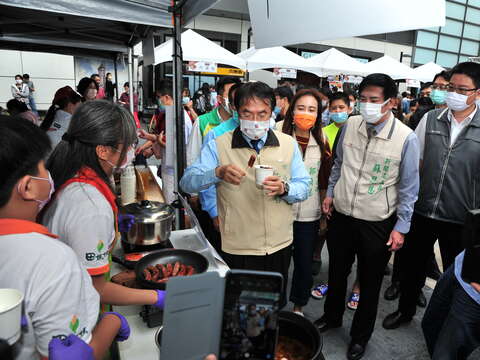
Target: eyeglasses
462	91
439	87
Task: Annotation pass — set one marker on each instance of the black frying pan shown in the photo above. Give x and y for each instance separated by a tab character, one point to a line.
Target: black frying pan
168	256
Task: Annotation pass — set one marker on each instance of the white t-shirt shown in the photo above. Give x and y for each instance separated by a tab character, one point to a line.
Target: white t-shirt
84	220
59	297
455	128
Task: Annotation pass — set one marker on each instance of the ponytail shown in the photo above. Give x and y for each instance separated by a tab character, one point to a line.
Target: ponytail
48	121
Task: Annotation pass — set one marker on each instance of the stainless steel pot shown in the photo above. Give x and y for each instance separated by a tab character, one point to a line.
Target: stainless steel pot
153	223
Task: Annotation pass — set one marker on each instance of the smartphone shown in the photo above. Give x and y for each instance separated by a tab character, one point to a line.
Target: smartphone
250	315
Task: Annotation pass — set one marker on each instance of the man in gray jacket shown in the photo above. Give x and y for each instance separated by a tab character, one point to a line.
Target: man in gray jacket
449	185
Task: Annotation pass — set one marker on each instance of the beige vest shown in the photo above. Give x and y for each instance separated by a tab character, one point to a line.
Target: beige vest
370	170
251	222
310	209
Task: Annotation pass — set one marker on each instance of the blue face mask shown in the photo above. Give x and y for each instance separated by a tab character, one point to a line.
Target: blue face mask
338	117
277	110
185	100
438	96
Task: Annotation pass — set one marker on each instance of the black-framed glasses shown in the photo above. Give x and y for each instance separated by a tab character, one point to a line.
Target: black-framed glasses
459	90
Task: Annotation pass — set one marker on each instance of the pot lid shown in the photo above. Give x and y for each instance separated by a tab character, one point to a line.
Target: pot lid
149	211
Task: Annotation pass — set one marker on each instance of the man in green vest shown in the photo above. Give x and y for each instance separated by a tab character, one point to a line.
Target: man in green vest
208	121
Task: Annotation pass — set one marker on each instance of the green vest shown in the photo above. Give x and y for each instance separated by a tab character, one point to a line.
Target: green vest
331	132
208	121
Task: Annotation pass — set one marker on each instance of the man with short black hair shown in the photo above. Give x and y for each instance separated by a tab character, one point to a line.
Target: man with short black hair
370	197
283	97
31	97
426	90
439	89
256	220
449	186
208	121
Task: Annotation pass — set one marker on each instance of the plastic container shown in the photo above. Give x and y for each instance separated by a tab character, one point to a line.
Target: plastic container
128	186
262	172
10	315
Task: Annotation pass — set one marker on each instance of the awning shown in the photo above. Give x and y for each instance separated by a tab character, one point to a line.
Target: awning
335	62
195	47
287	22
427	72
274	57
387	65
85	27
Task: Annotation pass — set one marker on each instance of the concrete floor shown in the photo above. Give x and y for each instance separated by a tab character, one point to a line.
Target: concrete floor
405	343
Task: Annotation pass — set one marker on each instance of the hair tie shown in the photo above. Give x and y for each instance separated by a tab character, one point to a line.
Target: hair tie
67	137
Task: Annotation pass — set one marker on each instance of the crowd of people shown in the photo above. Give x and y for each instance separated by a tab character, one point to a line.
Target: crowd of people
369	173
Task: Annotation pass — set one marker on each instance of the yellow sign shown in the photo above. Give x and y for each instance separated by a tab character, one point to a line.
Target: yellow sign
226	71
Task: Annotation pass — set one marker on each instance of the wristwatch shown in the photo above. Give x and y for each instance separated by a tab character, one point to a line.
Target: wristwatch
286	188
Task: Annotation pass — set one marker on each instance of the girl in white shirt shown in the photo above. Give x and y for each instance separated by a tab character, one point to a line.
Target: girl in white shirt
101	137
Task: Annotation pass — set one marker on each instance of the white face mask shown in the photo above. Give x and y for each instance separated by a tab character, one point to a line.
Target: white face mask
456	102
19	81
324	103
254	130
42	203
91	94
372	113
226	106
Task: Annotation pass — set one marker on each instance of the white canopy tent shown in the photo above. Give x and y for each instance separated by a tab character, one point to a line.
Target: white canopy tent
335	62
391	67
195	47
427	72
274	57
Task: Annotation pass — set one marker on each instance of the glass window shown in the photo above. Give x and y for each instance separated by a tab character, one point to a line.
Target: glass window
446	60
461	1
423	56
452	27
449	43
469	47
427	39
471	31
473	16
474	2
463	58
434	29
455	11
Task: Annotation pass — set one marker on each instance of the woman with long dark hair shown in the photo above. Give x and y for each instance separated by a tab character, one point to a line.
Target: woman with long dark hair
58	116
303	121
101	138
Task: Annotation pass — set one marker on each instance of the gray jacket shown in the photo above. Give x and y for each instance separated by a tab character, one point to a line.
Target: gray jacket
450	175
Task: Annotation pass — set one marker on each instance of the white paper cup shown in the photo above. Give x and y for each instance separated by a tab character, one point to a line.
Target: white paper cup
10	315
262	172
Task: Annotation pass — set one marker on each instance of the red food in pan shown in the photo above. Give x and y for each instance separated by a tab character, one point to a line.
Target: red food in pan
160	273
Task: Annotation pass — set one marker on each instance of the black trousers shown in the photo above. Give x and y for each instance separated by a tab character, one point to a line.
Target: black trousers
277	262
349	237
416	251
451	324
305	234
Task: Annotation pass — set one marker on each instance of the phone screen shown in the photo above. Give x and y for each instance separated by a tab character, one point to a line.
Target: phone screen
250	316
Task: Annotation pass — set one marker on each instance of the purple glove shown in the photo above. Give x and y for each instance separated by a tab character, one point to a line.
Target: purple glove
125	222
24	321
70	348
161	299
124	331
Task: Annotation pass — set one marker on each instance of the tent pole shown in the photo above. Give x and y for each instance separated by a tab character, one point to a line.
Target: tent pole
130	77
178	107
116	76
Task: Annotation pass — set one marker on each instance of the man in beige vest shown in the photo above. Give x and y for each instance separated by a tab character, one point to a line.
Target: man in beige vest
372	189
256	220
